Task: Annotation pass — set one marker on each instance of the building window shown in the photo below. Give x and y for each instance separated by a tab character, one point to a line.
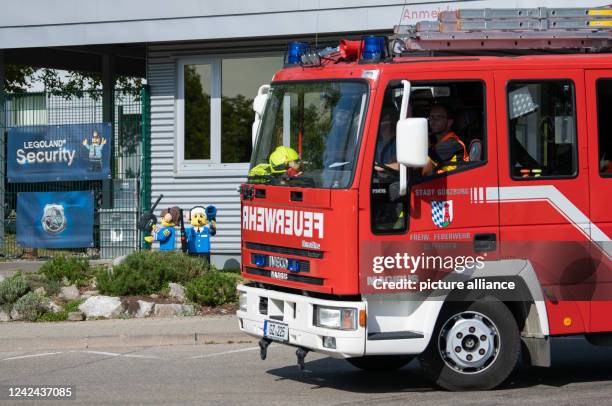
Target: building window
542	129
214	109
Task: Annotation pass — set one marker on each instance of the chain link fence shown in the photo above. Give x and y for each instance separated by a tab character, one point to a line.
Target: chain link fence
119	201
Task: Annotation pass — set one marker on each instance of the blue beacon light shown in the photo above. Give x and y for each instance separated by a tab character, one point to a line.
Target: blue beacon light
295	50
373	48
259	260
293	265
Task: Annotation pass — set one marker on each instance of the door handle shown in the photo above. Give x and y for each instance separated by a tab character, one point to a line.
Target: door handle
485	242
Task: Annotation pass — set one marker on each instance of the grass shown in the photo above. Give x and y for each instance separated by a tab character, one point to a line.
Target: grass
12	250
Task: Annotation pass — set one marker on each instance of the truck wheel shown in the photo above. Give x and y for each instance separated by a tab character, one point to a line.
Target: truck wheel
475	346
380	362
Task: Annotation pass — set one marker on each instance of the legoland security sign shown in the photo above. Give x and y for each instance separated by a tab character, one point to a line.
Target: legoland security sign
59	152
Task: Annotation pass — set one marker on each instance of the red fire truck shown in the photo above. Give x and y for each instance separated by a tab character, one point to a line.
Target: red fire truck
442	193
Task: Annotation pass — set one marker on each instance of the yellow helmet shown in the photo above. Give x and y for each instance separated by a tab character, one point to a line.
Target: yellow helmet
280	157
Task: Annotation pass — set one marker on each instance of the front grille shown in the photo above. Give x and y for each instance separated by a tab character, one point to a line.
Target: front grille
290	276
284	250
304	265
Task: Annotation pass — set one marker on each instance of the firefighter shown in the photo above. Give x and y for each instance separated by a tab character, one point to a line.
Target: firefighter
446	148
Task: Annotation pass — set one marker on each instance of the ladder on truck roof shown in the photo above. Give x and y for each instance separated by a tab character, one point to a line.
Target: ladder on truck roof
542	28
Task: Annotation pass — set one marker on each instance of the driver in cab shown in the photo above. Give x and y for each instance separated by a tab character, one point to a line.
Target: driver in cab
446	150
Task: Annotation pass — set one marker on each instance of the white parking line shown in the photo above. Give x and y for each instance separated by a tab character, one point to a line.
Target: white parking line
225	352
45	354
114	354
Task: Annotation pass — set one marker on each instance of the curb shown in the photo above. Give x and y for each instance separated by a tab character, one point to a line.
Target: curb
123	340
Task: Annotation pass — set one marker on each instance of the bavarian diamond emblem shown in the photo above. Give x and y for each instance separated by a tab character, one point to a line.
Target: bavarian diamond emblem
442	212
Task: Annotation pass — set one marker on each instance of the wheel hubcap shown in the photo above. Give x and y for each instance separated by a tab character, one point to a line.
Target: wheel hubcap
469	342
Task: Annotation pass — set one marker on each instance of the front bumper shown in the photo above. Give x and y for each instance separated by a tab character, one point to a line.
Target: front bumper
297	312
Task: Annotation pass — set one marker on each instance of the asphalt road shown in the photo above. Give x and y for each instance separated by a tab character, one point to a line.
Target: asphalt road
233	374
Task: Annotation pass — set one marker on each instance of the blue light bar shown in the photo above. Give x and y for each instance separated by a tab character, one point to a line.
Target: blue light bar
373	48
259	260
295	50
293	265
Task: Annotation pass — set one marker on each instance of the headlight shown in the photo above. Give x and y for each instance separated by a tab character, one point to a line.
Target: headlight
242	301
336	318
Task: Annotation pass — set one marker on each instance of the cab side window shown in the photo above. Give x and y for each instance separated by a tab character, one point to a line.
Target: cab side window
542	129
455	113
389	210
604	126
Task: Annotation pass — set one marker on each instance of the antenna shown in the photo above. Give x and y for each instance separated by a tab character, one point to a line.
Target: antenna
317	25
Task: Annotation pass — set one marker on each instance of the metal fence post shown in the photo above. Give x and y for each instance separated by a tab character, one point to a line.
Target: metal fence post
145	158
108	110
2	149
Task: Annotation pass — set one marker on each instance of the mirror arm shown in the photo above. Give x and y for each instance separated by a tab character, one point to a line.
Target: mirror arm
403	180
403	170
405	100
261	93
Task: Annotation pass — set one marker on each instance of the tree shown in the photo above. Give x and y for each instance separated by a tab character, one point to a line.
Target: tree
197	117
20	78
236	124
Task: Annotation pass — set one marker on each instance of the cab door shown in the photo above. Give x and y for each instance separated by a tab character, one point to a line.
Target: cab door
445	213
599	100
544	186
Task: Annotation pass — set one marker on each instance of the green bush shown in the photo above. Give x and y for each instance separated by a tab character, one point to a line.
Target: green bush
12	289
213	288
75	270
50	316
29	306
146	272
38	280
73	305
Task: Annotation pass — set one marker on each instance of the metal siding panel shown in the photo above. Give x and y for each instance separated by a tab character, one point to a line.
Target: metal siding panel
185	191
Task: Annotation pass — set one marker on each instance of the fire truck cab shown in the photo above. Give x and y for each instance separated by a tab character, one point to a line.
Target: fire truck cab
442	194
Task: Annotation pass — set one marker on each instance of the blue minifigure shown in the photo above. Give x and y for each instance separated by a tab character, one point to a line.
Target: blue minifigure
166	234
202	228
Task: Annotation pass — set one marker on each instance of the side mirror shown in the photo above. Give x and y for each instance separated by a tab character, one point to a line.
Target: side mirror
259	104
412	142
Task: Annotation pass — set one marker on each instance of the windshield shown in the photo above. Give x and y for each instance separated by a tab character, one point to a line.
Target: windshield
309	134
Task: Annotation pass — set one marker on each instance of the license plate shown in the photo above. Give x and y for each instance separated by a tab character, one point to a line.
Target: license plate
276	331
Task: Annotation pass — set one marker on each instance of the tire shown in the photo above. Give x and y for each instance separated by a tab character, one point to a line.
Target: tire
483	343
380	362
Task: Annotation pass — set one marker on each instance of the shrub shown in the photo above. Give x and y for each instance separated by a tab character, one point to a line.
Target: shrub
29	306
213	288
147	272
38	280
73	305
12	289
75	270
50	316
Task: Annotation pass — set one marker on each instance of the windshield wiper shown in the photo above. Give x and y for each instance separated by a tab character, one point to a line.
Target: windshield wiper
305	181
260	178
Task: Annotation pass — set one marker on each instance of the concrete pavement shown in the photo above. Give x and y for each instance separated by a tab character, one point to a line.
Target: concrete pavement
233	374
21	336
